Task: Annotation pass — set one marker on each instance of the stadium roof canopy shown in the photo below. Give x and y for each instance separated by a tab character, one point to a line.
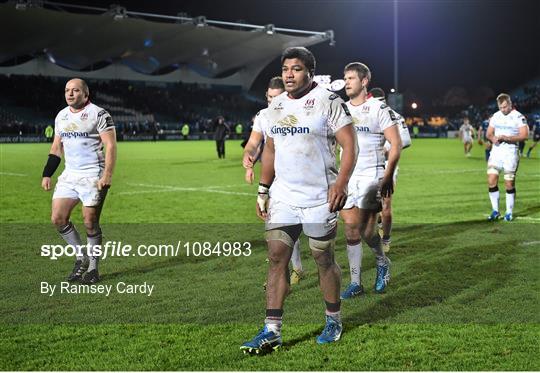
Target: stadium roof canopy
94	38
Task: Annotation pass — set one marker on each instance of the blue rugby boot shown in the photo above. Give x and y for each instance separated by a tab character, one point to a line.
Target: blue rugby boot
383	276
264	342
331	332
353	290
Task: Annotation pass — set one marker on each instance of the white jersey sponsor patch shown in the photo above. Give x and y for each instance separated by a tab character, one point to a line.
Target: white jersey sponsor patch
303	131
370	120
83	149
507	125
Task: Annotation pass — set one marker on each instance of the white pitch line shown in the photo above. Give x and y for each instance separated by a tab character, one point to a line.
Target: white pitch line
529	243
527	218
12	174
178	189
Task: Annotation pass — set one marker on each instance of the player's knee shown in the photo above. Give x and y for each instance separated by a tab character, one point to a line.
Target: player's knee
280	245
509	178
323	251
352	234
492	171
91	224
59	220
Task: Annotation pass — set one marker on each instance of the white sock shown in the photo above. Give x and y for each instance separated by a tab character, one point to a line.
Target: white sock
376	247
273	324
494	198
335	315
295	257
510	198
94	240
354	253
71	236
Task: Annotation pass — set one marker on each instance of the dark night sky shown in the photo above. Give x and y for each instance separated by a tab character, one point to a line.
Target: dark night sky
441	43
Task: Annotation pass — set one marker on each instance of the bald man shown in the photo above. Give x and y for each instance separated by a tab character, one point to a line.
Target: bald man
82	131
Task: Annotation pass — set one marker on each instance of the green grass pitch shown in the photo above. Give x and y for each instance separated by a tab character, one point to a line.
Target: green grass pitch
464	294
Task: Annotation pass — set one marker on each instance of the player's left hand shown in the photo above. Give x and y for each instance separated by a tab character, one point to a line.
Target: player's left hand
250	175
247	161
337	196
387	187
104	182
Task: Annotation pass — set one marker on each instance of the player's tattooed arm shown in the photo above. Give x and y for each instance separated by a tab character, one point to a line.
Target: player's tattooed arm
109	140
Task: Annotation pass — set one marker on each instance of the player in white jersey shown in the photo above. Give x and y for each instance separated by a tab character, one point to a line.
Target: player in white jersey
301	190
81	130
506	129
374	122
385	228
466	133
253	149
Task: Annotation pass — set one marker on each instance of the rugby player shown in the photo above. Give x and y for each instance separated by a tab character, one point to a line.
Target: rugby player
301	189
536	134
506	129
466	133
374	122
81	131
252	151
385	228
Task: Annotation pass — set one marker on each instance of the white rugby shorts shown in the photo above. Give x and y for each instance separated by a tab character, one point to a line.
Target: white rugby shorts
503	160
364	192
316	221
81	187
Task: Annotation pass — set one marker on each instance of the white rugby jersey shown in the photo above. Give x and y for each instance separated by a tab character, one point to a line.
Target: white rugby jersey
370	120
507	125
83	149
403	132
467	130
261	122
303	131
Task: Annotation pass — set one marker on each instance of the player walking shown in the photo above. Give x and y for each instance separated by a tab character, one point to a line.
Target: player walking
507	128
81	131
306	191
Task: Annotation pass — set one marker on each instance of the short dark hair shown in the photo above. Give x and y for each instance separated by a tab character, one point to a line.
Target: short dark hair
377	92
361	69
276	83
303	54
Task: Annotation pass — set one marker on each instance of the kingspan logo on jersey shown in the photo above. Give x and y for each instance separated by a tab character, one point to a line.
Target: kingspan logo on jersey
358	127
287	126
70	131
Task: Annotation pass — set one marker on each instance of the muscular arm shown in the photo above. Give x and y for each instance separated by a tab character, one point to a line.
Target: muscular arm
337	194
391	134
267	170
56	146
490	135
251	149
109	140
521	136
56	149
267	177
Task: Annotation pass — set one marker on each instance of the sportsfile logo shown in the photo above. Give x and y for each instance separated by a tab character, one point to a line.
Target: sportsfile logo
287	126
70	131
